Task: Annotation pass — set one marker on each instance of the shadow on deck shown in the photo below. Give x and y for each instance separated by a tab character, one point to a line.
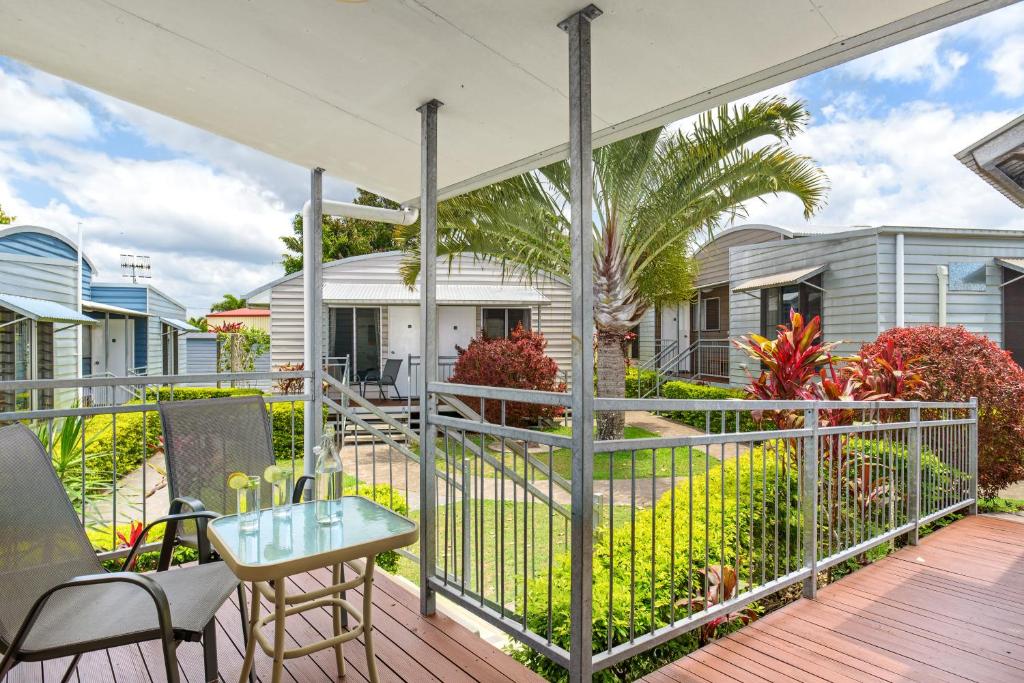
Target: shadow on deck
950	609
409	647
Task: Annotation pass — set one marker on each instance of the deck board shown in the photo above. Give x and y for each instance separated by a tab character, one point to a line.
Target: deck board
409	647
950	609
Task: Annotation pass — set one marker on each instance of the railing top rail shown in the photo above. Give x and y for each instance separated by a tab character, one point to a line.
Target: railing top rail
551	398
91	411
739	404
136	380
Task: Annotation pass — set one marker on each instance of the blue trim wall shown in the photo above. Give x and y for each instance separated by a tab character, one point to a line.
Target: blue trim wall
133	298
46	246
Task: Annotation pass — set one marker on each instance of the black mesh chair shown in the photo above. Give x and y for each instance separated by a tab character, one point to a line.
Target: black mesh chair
387	377
56	600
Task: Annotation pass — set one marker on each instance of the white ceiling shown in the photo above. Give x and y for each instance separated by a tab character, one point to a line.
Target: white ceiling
335	84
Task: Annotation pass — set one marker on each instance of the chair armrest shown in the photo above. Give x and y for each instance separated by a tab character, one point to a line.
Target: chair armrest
170	537
300	486
186	501
163	608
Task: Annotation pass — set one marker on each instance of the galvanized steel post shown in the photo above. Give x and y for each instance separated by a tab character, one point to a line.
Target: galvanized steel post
312	290
914	472
973	438
809	501
581	188
428	345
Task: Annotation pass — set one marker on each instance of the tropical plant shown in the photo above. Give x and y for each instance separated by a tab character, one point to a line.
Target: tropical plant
720	582
200	323
344	237
230	302
291	385
518	362
962	365
63	438
239	346
656	195
128	540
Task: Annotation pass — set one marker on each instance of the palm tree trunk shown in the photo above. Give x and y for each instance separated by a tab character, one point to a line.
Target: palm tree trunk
611	382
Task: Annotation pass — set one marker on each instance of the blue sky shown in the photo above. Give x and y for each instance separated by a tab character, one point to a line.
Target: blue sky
210	212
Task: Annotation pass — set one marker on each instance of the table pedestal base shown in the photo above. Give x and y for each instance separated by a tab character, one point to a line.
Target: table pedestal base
286	605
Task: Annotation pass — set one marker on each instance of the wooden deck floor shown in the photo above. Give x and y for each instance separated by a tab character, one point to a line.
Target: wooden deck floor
951	609
409	647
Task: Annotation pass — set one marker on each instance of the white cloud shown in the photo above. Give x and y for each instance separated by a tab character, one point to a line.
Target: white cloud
30	112
923	59
1007	66
898	168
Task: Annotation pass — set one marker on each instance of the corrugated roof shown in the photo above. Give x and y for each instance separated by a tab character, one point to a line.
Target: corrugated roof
43	310
791	277
179	324
1012	263
108	308
240	313
468	295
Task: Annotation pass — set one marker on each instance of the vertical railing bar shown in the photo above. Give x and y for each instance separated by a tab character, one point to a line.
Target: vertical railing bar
85	426
654	529
113	527
672	537
809	502
551	523
632	544
689	515
611	543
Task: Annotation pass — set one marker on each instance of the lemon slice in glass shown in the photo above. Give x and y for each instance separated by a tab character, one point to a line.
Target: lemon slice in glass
238	480
273	473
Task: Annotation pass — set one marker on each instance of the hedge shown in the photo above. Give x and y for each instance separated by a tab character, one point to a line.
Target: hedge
195	393
132	447
757	481
698	392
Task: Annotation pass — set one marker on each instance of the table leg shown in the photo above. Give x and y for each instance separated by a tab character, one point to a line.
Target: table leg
336	611
371	661
250	646
279	617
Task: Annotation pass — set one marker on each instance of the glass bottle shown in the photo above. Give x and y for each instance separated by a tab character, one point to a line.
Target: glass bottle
330	480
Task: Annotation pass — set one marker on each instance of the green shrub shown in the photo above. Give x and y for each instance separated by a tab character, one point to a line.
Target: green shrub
621	562
389	498
196	393
698	392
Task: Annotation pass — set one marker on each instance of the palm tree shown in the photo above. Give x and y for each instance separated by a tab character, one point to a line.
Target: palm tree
656	195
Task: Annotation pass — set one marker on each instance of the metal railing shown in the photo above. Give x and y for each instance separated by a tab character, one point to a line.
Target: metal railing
772	506
703	359
109	457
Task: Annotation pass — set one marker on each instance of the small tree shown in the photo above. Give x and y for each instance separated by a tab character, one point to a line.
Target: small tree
230	302
518	362
961	365
239	346
6	219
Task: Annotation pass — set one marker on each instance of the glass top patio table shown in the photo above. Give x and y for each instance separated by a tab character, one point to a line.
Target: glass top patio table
283	546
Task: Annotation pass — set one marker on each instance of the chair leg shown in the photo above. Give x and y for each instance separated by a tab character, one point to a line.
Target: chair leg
245	623
170	660
7	663
210	651
71	669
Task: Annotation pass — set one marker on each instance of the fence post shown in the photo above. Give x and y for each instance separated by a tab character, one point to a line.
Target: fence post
809	501
973	438
914	472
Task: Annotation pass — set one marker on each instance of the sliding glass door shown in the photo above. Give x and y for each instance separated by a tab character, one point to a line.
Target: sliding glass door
355	333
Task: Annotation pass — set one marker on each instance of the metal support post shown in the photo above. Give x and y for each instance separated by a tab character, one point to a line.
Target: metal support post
914	473
312	289
809	502
973	438
581	664
428	346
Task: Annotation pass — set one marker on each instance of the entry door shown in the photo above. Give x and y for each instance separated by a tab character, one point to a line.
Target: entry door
403	339
112	347
1013	315
456	326
675	326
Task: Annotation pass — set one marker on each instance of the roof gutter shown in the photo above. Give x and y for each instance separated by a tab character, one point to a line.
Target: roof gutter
402	216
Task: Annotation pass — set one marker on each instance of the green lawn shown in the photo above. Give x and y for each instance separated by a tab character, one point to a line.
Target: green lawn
617	465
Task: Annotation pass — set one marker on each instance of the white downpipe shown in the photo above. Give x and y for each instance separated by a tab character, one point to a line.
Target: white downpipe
900	282
403	216
942	272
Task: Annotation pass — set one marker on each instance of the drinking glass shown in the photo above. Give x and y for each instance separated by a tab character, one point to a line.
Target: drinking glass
249	505
281	493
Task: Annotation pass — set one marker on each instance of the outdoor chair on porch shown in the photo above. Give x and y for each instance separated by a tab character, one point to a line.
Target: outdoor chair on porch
56	599
384	378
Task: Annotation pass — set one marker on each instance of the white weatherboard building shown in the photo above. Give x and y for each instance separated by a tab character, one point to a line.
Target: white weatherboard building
371	316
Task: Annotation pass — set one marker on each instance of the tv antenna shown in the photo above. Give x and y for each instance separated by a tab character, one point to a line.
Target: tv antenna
137	267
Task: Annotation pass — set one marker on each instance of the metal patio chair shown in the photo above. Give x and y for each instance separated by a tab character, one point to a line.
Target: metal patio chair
386	377
56	599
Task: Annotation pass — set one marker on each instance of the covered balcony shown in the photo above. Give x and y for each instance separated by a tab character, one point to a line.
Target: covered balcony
542	551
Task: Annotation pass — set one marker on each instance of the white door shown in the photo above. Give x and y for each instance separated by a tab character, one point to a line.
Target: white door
403	339
112	347
675	326
456	326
